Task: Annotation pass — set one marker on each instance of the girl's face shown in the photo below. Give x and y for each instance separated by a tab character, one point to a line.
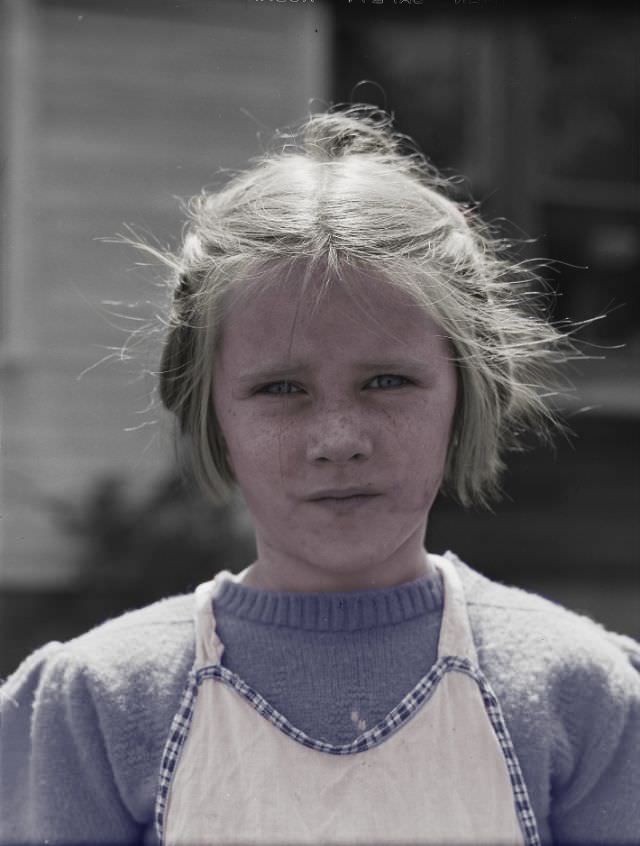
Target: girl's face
337	425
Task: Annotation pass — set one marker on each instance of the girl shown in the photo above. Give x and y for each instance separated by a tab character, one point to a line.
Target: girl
345	341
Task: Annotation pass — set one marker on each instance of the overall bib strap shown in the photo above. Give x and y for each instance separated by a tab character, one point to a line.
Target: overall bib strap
455	633
209	647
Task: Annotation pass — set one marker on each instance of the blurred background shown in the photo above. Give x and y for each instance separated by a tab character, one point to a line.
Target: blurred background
112	111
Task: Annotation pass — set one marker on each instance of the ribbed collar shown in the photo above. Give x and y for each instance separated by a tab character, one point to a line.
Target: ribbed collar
339	611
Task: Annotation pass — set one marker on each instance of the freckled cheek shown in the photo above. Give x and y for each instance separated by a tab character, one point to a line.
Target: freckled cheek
423	443
261	454
421	453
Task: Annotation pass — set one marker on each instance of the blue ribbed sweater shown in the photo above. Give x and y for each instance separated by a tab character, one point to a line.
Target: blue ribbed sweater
334	664
84	723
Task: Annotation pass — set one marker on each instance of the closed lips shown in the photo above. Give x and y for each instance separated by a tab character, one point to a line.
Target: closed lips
343	494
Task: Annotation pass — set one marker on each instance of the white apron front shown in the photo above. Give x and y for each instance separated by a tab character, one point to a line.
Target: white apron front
439	769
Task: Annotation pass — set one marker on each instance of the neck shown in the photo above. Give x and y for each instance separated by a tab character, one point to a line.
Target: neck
275	572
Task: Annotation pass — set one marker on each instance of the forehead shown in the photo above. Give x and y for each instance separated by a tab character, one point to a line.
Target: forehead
359	315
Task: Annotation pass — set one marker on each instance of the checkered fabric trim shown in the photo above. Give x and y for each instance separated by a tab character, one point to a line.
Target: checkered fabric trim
171	754
526	817
391	723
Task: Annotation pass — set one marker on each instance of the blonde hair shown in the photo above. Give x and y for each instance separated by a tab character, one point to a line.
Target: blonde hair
345	192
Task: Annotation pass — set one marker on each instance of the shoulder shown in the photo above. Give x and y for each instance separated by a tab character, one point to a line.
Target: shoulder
123	644
142	647
528	637
115	670
521	622
556	673
103	700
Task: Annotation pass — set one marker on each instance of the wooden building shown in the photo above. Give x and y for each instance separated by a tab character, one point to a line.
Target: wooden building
111	112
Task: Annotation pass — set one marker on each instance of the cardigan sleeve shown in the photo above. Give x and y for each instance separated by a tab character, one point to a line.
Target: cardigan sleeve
596	790
56	781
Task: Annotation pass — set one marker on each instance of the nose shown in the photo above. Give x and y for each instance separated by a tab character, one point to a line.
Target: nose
339	438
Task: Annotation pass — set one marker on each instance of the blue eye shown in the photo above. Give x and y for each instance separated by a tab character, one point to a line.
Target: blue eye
390	380
277	389
386	381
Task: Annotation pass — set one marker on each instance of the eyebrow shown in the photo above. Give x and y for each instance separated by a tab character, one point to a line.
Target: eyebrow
281	371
